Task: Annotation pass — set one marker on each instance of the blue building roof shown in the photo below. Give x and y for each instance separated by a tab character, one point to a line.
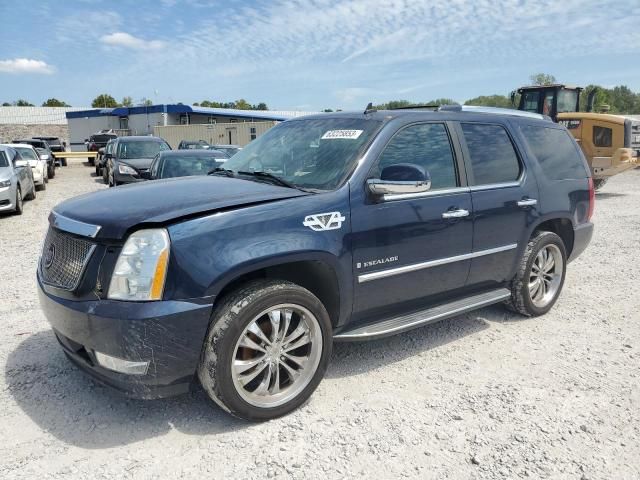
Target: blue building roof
177	108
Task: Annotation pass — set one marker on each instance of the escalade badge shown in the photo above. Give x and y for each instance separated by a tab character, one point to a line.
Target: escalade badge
49	256
324	221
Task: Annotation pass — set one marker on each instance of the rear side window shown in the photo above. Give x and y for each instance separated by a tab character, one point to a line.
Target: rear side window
555	151
493	158
602	136
3	160
426	145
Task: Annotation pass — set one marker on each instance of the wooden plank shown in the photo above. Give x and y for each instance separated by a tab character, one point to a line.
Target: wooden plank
75	154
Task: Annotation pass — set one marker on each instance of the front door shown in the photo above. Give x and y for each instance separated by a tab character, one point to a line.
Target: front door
504	199
405	246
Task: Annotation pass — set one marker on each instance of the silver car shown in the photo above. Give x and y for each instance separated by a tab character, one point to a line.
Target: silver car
36	161
16	180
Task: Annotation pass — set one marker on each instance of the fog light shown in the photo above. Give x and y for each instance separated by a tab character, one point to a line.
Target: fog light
120	365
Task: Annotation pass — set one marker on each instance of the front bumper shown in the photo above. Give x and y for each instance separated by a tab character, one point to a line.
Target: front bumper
167	334
581	237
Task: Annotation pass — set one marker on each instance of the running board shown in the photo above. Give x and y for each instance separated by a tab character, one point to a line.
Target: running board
403	323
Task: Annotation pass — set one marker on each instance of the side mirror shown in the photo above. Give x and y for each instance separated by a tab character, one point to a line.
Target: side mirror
20	163
400	179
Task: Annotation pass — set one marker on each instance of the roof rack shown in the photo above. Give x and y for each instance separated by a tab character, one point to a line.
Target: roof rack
495	110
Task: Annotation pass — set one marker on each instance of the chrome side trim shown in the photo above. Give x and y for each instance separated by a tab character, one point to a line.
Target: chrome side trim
73	226
431	193
367	277
494	186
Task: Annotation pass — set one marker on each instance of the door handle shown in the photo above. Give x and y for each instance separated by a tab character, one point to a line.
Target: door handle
527	202
458	213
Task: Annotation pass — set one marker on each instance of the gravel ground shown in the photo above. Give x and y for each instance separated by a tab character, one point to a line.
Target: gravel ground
486	395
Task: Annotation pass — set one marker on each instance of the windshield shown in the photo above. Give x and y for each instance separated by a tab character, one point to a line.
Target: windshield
27	153
3	160
140	149
315	153
183	166
101	138
567	101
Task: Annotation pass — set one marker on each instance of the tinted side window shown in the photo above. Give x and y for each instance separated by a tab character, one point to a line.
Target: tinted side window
426	145
602	136
3	160
531	101
493	158
555	151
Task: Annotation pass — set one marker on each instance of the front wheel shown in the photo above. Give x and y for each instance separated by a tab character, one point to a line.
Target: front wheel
19	205
540	276
52	171
266	351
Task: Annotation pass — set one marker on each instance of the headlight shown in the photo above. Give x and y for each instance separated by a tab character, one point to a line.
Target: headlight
5	183
141	268
126	170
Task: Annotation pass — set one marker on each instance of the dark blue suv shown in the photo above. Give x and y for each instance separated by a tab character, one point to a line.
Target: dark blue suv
335	227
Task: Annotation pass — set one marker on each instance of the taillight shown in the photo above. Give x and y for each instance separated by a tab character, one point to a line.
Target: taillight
592	199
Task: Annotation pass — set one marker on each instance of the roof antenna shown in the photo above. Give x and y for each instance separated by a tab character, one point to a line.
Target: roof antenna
369	108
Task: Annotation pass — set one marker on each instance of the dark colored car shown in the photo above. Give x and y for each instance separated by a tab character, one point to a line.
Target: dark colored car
334	227
43	145
56	144
131	157
97	141
193	145
231	150
181	163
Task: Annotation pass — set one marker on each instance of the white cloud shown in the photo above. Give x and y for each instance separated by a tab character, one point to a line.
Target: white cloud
25	65
122	39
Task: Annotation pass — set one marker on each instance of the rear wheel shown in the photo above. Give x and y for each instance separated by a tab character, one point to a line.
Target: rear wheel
51	171
32	194
540	276
267	349
19	206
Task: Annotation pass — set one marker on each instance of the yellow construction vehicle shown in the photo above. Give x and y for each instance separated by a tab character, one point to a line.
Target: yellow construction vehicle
611	143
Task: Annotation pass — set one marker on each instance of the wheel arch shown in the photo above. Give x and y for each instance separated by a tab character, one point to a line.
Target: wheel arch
318	272
561	225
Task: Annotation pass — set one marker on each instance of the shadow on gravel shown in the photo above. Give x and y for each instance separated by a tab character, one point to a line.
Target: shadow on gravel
65	402
605	195
361	357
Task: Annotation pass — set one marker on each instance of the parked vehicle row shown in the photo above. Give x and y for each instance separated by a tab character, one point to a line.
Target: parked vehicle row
332	227
132	159
26	165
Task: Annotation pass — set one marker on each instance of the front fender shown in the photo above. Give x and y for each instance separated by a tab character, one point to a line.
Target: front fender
209	252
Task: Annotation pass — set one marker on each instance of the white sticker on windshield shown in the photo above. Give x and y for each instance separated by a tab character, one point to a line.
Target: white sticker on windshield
341	134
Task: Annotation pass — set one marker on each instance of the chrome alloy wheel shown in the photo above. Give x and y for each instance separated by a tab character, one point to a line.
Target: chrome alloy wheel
277	355
546	275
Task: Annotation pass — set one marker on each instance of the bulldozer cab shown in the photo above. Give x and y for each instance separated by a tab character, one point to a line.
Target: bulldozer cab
549	100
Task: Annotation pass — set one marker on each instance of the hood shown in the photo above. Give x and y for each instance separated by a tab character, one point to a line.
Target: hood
119	209
137	163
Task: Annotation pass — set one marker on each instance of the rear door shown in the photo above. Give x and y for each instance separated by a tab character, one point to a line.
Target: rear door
504	196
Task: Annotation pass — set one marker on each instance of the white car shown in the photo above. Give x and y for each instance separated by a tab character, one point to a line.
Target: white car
37	162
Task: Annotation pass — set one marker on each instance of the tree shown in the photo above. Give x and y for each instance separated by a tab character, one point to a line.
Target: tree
242	104
490	101
104	100
146	102
542	79
390	105
23	103
6	104
327	110
623	100
442	101
261	106
54	102
127	102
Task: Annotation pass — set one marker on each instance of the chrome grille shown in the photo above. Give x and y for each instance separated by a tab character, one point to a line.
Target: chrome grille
63	259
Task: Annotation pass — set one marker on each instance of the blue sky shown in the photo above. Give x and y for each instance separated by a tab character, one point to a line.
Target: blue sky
310	54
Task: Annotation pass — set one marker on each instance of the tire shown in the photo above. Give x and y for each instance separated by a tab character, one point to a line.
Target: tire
98	170
63	162
52	171
32	195
525	298
598	183
245	308
42	186
19	205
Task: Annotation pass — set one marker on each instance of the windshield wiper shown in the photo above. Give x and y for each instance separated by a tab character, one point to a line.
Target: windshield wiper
274	178
221	171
